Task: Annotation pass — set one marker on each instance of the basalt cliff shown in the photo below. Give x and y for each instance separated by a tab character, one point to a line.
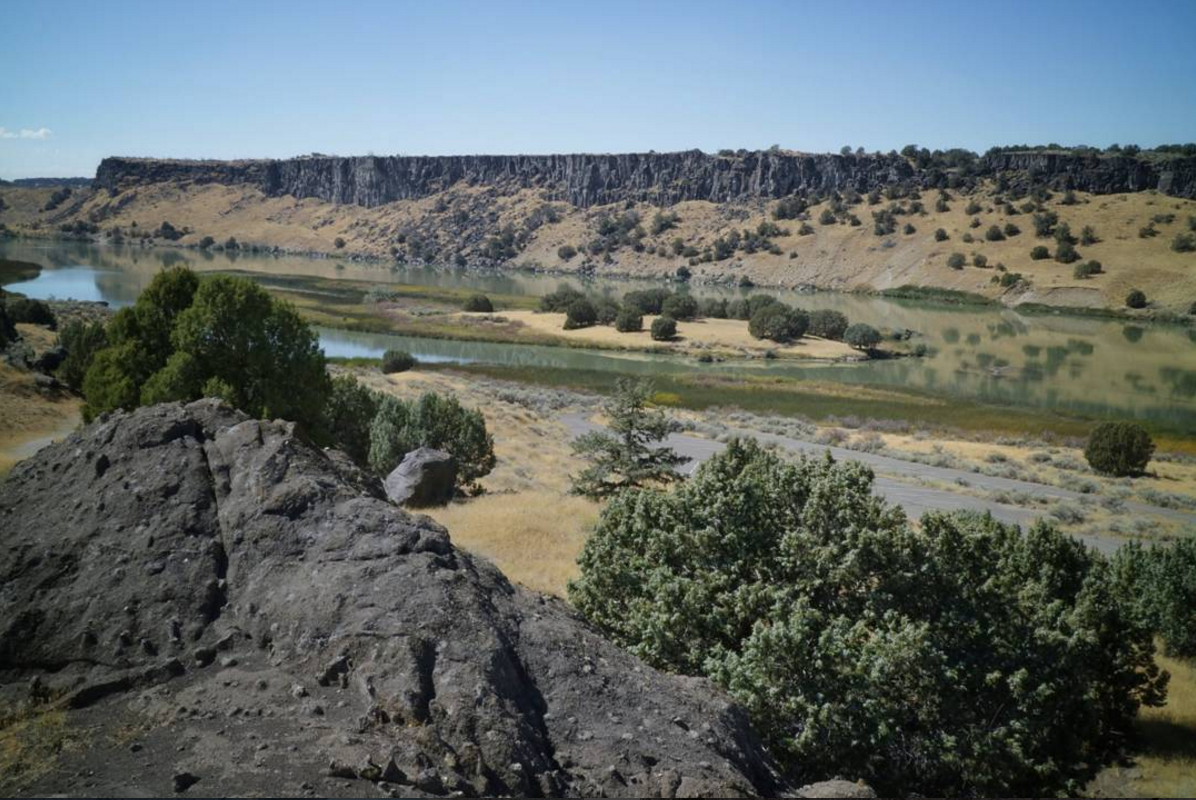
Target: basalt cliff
585	180
192	600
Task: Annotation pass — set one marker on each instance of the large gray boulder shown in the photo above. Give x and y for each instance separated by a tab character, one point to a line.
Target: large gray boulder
426	477
217	605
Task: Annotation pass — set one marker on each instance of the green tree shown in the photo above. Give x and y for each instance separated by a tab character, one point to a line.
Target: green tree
956	260
779	323
680	306
629	454
1119	448
629	320
1136	299
828	324
479	303
664	329
1159	586
580	314
961	658
862	336
433	421
347	416
81	340
940	235
397	361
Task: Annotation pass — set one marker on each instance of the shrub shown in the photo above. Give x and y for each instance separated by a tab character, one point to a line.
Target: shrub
905	657
827	323
994	234
975	223
805	229
680	307
956	260
1119	448
1011	229
30	311
1159	585
1044	223
479	303
566	252
81	340
231	243
560	300
757	302
1184	243
433	421
738	309
862	336
968	238
778	322
663	221
1088	236
629	320
980	260
909	229
626	455
648	301
347	417
714	307
339	243
1087	269
940	235
1066	253
1039	253
972	208
827	217
580	314
397	361
664	329
1136	299
684	273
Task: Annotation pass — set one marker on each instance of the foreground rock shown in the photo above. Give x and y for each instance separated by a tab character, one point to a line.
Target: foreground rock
225	610
426	477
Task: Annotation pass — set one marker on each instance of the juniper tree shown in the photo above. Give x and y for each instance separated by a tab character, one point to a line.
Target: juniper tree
628	456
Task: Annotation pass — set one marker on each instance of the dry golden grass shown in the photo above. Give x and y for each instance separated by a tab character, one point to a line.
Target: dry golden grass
28	418
30	742
707	335
1168	757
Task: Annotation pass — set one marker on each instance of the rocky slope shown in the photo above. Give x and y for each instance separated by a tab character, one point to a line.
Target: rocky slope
585	180
204	602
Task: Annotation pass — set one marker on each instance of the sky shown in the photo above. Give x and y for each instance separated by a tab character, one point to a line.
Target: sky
213	79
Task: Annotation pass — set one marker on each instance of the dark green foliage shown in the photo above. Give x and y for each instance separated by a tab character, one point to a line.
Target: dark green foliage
1148	231
739	309
560	300
805	229
629	320
648	301
1039	252
231	243
940	235
566	252
1087	269
1184	243
580	314
956	260
28	310
757	302
397	361
348	414
628	453
1063	234
1159	585
169	232
1088	236
1044	223
433	421
57	198
664	329
680	307
1011	230
206	243
789	208
968	238
1136	299
861	336
479	302
684	273
1066	253
238	343
8	330
714	307
994	234
909	229
980	260
81	340
827	323
972	208
778	322
339	243
961	658
883	222
827	217
663	221
975	223
1119	448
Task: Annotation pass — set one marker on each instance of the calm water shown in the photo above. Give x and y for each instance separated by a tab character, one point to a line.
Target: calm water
1090	366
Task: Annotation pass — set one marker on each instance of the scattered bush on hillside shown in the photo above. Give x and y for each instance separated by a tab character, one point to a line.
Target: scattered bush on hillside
1087	269
1044	223
663	221
980	260
994	234
566	252
940	235
778	322
57	198
956	260
627	454
1011	229
1184	243
821	611
347	416
339	243
1066	253
827	324
397	361
560	300
1088	236
31	311
1136	299
664	329
861	336
1148	232
1119	448
434	421
478	303
1039	253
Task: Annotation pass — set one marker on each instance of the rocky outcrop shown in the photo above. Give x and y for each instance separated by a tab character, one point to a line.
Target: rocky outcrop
588	179
231	611
426	477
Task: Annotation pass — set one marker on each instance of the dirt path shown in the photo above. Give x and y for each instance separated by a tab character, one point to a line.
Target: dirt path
915	499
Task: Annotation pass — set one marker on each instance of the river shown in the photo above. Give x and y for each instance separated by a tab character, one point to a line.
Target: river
1095	367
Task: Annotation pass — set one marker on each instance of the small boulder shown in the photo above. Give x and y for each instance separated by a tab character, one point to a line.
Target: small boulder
426	477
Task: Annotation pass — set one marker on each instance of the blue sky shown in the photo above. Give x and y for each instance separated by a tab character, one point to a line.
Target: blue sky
79	81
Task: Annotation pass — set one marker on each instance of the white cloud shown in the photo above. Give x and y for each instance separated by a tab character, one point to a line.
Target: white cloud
26	133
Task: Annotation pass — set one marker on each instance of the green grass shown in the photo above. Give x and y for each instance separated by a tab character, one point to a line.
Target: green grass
932	293
17	271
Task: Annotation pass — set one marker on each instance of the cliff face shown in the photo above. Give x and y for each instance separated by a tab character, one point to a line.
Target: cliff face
585	180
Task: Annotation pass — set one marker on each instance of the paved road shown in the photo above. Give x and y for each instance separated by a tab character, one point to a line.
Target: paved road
915	499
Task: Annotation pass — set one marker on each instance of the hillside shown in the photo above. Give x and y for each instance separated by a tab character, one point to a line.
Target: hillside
836	222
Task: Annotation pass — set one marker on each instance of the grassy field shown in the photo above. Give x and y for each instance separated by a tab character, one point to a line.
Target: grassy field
1167	758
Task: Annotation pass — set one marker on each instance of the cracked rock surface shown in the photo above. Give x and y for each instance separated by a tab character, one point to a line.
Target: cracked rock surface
224	609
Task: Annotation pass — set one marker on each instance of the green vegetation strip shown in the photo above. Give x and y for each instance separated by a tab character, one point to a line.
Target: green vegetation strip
952	296
17	271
